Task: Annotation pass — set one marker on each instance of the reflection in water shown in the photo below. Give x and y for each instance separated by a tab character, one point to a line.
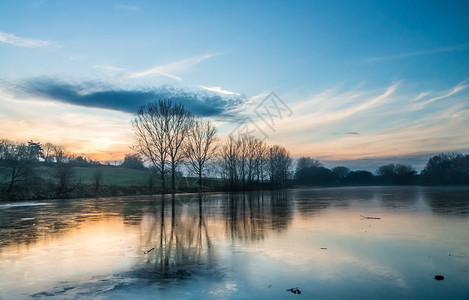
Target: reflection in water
177	242
235	242
449	201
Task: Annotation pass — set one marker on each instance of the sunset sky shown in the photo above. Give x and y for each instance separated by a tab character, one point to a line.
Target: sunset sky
359	83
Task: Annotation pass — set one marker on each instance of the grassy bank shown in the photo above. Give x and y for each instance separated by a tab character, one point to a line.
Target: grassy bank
94	181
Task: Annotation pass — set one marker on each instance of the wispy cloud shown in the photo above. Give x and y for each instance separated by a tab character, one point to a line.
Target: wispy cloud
170	70
109	68
220	90
330	107
357	123
14	40
126	7
461	47
455	90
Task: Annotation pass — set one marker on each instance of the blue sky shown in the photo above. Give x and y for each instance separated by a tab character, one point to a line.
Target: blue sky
369	81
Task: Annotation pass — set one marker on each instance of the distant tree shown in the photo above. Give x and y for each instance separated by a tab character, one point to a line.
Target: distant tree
339	173
229	160
396	174
311	171
17	161
446	169
405	174
79	161
261	152
308	162
133	161
360	177
64	174
386	171
35	151
280	163
61	154
47	150
200	146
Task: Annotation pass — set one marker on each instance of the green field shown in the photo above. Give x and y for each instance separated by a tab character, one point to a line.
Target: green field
115	176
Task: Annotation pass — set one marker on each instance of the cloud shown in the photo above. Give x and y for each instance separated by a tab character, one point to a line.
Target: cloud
12	39
461	47
346	133
218	89
458	88
170	70
388	120
126	7
98	95
108	68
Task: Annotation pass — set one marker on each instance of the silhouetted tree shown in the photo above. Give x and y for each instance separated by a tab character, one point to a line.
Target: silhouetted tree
64	174
405	174
339	174
133	161
200	146
446	169
229	160
280	163
396	174
360	177
150	127
160	128
387	173
17	163
308	162
311	171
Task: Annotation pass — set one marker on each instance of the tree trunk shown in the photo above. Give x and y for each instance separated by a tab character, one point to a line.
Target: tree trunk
200	178
163	181
173	176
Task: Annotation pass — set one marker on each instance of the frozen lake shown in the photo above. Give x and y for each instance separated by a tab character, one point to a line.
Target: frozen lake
331	243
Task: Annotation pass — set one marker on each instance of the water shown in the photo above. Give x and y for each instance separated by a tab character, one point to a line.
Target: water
240	246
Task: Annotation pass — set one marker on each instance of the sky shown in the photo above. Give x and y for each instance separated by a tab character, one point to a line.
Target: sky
356	83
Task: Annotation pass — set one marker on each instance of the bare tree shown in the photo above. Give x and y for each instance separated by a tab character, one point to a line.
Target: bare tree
200	145
179	121
280	163
229	159
261	161
55	153
150	126
47	150
160	128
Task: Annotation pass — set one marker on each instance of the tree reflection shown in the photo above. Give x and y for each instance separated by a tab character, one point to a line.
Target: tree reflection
449	201
180	241
176	241
244	217
249	217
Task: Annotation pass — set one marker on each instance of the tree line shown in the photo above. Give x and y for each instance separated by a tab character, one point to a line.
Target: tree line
442	169
34	170
168	136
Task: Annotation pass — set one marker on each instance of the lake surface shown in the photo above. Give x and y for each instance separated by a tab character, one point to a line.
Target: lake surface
240	246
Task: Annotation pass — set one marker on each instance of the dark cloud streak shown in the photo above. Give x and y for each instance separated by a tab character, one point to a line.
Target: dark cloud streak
96	95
